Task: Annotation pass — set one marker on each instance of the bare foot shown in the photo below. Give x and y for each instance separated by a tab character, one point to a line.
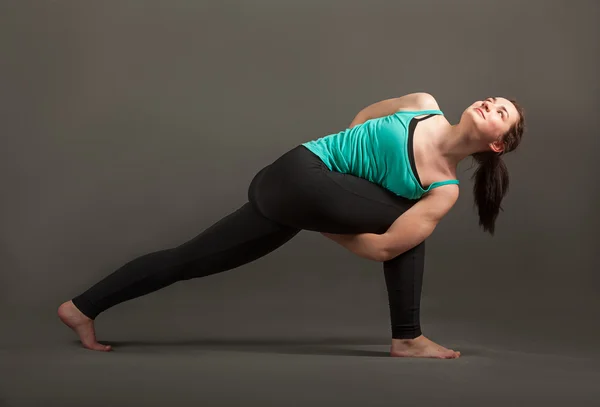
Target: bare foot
82	325
421	347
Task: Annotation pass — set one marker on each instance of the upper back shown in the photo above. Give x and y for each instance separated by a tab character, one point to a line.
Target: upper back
415	102
411	102
380	148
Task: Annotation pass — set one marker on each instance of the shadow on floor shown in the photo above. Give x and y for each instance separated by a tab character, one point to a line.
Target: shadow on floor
321	346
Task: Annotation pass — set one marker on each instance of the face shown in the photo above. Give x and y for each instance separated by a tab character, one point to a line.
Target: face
491	119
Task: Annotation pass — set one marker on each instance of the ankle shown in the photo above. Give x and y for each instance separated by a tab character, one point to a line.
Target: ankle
408	341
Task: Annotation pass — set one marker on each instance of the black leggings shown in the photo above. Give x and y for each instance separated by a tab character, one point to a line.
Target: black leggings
295	192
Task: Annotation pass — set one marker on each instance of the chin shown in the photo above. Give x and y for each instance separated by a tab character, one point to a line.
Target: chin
468	115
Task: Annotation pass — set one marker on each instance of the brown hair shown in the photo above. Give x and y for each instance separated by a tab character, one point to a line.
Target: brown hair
491	177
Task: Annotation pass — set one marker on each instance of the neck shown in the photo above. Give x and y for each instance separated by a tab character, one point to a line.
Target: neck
454	144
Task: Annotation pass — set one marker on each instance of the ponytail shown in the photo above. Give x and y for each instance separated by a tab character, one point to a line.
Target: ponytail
490	187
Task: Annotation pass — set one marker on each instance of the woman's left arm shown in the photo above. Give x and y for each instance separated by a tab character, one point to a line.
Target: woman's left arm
410	229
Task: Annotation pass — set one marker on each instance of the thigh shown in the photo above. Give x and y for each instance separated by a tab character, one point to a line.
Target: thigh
349	204
238	238
299	191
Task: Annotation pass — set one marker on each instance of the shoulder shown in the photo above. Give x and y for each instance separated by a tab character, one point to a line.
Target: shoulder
438	202
426	101
417	101
446	193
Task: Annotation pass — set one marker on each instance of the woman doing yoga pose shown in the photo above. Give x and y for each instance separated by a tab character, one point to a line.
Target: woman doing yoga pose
379	188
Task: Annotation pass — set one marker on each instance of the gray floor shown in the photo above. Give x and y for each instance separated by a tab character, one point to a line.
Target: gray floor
43	365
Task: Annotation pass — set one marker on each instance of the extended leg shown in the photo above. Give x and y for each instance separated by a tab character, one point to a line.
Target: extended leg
239	238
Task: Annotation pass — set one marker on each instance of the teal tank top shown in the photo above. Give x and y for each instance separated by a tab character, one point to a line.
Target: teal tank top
379	150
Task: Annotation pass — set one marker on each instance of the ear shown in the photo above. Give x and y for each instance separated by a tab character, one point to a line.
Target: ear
497	146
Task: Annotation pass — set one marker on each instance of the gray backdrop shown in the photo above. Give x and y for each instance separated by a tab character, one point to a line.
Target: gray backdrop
131	126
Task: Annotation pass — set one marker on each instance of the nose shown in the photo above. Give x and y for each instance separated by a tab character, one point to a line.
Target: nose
486	105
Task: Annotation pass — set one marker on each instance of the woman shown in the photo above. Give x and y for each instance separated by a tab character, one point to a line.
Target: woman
378	188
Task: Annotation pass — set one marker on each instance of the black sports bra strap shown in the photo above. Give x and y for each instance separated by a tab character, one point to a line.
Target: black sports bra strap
426	117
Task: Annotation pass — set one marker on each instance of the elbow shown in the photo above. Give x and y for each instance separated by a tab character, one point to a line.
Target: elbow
383	255
388	254
374	254
389	248
359	119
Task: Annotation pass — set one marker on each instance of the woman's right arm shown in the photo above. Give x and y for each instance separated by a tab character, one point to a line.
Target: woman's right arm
407	231
412	101
362	244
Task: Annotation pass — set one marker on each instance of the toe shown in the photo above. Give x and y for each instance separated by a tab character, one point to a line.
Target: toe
97	346
101	347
